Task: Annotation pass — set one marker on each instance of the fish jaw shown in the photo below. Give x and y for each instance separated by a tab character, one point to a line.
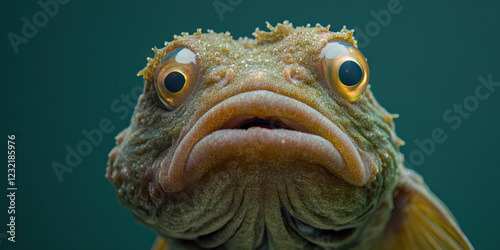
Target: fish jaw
305	135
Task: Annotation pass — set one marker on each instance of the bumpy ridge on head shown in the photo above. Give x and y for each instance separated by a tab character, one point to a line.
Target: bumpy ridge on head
275	34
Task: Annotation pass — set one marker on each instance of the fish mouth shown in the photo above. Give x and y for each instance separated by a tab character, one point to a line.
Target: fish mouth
249	122
276	128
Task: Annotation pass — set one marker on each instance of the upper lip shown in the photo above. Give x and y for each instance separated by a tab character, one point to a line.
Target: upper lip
333	148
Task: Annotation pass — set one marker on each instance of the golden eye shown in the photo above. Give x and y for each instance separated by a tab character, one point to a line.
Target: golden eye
345	70
175	77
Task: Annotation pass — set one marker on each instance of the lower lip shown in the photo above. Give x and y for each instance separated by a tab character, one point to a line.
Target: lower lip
279	146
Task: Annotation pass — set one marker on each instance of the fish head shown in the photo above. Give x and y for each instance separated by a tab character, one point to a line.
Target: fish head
272	141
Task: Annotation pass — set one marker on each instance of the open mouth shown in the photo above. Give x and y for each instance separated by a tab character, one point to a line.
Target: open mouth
276	127
247	122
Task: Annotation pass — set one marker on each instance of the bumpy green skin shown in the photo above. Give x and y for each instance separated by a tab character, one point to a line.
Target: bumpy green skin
240	207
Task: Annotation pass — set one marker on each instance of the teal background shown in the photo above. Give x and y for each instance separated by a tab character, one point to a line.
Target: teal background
426	59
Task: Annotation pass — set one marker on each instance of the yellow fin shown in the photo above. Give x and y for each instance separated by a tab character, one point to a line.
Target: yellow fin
160	244
420	220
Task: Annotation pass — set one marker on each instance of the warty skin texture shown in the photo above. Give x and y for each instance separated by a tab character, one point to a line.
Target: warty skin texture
198	186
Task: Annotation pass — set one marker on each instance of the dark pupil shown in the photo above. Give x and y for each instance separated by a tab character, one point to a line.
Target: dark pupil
174	82
350	73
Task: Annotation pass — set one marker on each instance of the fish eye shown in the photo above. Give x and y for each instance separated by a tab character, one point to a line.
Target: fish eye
345	70
175	77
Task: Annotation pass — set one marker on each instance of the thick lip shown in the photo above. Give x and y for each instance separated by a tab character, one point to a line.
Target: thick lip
213	135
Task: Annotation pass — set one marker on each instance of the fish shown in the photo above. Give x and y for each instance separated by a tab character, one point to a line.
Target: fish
271	142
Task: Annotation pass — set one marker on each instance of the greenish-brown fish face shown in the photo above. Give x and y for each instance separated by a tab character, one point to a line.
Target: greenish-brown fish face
268	142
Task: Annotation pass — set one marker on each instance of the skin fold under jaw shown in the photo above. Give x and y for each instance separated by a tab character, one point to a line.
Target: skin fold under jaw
271	143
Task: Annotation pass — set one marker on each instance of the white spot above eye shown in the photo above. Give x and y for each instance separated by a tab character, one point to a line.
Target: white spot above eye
334	50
